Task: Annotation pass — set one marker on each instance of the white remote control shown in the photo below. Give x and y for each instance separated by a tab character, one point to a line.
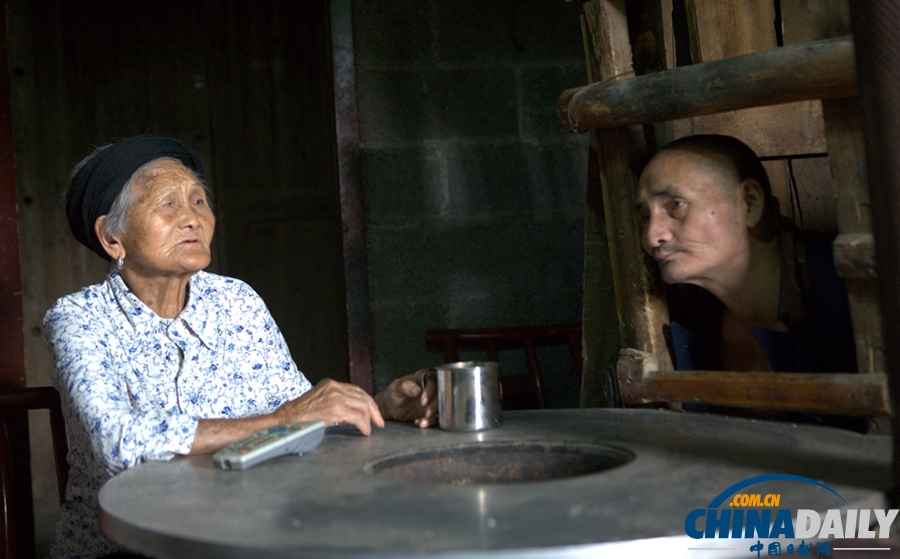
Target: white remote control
271	443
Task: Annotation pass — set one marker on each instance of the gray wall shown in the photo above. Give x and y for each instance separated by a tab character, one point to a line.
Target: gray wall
474	192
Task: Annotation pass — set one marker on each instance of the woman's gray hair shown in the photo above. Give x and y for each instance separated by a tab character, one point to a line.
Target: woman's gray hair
117	218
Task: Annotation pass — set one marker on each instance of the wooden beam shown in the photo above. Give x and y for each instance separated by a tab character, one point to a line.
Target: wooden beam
817	70
346	116
640	304
640	382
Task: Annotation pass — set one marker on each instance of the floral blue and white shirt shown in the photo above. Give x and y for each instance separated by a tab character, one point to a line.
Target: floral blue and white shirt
134	385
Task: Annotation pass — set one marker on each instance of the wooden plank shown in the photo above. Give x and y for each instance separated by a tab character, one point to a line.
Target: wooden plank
848	165
596	314
600	337
788	129
607	27
639	292
803	21
728	29
610	42
854	216
809	20
865	313
803	189
641	382
818	70
668	32
640	304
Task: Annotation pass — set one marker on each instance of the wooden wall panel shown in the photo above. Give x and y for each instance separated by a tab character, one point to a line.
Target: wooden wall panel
725	29
802	187
810	20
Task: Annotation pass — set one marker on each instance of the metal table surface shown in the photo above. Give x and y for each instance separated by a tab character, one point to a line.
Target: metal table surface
328	503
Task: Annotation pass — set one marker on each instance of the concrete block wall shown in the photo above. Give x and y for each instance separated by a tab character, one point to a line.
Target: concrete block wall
474	192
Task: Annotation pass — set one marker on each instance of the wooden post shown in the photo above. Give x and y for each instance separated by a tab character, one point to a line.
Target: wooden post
640	303
878	58
359	337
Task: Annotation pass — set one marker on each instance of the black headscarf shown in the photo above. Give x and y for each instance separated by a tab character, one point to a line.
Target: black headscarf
98	183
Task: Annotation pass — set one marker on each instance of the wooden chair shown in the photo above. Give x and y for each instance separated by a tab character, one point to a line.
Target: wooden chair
17	527
519	392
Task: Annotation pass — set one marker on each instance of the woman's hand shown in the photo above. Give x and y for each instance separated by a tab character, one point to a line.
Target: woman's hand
405	400
331	402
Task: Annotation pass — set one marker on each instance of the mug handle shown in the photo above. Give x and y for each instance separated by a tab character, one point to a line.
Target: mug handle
423	380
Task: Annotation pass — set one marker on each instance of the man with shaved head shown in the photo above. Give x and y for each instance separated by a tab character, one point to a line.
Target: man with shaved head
754	293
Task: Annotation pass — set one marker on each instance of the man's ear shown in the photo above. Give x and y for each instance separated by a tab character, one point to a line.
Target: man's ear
754	201
111	244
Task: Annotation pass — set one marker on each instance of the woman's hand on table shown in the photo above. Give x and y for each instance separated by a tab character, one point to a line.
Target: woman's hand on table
406	400
330	402
333	402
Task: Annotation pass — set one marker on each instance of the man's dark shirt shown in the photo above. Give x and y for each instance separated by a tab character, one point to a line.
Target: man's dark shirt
813	304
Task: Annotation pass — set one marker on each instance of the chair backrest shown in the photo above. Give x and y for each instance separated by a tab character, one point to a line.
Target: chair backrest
17	526
519	392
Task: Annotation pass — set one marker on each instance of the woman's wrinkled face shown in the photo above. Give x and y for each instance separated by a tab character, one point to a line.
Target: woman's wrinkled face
170	226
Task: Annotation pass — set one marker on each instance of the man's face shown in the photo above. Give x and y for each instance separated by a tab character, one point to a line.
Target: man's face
694	218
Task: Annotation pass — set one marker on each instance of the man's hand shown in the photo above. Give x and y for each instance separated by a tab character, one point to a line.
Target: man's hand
405	400
333	402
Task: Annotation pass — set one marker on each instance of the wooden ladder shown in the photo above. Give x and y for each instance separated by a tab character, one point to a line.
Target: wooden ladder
789	93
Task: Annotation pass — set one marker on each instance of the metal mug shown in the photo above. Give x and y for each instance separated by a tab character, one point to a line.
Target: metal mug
469	395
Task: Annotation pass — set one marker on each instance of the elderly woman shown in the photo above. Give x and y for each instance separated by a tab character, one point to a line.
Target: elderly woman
162	358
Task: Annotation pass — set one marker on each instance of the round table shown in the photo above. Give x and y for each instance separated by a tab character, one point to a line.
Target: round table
332	502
